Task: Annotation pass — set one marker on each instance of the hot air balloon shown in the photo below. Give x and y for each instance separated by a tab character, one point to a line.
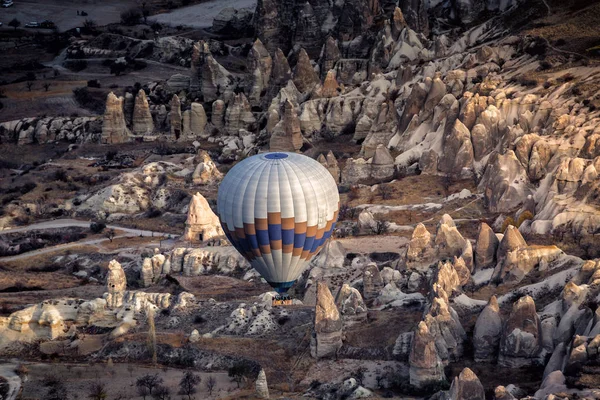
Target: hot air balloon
278	210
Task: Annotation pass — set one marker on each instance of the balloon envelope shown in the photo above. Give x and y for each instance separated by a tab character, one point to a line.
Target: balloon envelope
278	210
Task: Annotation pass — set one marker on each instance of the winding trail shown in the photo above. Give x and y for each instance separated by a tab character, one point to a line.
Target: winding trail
69	223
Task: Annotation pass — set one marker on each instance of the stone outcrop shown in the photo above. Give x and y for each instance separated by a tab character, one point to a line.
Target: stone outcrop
330	162
372	283
426	367
176	117
504	183
281	73
287	135
233	22
206	172
330	55
198	120
305	77
445	327
114	128
142	123
218	114
488	329
450	243
520	343
260	64
239	115
116	284
202	224
262	389
466	386
152	269
486	247
349	302
420	251
327	336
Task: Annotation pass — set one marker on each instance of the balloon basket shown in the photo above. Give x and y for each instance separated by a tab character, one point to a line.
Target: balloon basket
282	300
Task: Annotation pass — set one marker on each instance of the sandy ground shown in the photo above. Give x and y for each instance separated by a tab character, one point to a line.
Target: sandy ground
64	12
200	15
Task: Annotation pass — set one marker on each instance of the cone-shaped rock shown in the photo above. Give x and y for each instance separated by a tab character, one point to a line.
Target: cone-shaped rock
488	329
142	119
116	284
327	336
305	77
114	129
287	135
202	224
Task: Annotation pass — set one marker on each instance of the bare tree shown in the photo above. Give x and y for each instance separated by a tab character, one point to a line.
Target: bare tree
110	234
161	393
143	391
380	227
29	85
149	382
211	383
46	86
188	383
97	391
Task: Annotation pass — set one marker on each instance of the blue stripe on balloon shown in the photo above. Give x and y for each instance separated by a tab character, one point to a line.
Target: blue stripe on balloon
287	236
275	231
263	237
299	239
252	241
308	243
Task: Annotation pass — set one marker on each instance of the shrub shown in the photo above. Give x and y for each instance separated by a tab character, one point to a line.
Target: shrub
93	83
97	227
131	17
60	175
525	215
76	65
380	227
508	221
87	100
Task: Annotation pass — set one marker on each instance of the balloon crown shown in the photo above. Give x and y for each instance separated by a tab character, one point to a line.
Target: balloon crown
276	156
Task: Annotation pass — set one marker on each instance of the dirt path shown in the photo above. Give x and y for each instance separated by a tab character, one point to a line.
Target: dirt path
68	223
200	15
7	371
